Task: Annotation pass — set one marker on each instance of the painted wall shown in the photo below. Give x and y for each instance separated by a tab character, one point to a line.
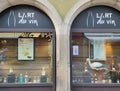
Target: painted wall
63	6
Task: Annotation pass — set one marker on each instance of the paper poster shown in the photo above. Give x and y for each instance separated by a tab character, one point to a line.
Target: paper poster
25	49
75	50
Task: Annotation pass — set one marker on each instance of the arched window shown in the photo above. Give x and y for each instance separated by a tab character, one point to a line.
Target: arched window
95	55
27	49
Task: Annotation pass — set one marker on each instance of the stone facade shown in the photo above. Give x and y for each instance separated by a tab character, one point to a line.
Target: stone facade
62	28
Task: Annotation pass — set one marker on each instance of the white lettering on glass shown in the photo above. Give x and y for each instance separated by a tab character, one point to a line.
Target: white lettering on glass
105	18
100	19
90	20
27	18
11	19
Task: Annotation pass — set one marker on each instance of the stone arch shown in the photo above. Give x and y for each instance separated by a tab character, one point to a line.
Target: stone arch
69	18
46	7
79	7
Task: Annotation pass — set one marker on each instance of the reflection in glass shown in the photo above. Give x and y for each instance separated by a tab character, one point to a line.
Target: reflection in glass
27	71
100	48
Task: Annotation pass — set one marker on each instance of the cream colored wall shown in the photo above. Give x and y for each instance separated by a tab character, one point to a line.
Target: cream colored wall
62	14
63	6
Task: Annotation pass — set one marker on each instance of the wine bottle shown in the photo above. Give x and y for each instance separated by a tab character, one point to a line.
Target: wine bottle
43	71
95	78
113	67
26	77
11	76
43	77
21	78
11	19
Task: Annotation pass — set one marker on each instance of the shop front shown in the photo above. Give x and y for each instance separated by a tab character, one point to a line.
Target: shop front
95	54
27	50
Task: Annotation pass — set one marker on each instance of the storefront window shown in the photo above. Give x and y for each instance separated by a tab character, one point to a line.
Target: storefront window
95	58
26	57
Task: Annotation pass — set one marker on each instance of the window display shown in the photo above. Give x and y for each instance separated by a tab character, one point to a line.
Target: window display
98	60
17	51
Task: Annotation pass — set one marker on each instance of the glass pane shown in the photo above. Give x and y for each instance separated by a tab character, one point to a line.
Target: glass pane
98	58
38	70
